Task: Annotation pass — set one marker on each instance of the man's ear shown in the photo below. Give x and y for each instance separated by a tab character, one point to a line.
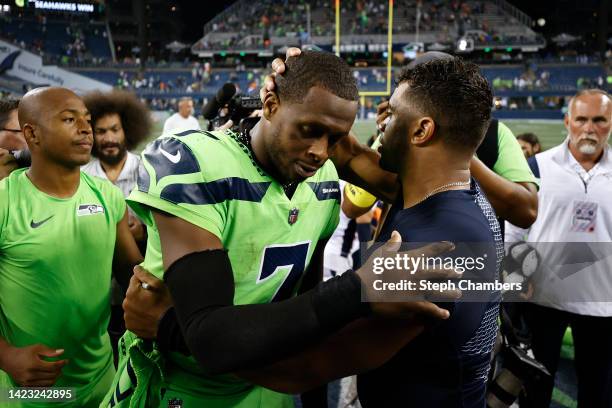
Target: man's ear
566	121
270	105
29	135
423	131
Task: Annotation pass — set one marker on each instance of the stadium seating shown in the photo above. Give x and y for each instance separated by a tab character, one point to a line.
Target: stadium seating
261	24
58	38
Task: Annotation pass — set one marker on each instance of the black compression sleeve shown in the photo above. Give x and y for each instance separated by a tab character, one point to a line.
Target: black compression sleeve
225	338
169	335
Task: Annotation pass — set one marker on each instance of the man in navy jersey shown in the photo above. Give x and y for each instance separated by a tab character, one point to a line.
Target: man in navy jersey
439	114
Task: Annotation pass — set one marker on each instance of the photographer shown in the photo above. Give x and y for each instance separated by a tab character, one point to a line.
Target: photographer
11	137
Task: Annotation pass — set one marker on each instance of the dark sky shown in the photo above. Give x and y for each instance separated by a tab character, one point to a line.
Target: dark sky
194	18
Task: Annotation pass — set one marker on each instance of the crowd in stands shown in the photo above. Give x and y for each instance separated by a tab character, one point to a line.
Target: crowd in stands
62	41
252	24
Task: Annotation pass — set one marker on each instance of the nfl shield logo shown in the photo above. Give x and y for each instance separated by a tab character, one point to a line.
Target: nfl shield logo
293	216
175	403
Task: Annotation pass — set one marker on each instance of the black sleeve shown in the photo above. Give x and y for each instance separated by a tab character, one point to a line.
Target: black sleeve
224	337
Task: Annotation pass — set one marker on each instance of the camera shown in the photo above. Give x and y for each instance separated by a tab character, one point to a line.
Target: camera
22	157
518	369
237	109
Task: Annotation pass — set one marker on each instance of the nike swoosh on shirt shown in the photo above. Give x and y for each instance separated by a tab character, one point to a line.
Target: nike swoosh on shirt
38	224
174	158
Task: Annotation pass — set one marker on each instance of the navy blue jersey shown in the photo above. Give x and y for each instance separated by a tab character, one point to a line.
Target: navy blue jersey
447	365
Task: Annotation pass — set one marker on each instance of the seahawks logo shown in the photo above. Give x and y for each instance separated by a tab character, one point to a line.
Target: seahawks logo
89	209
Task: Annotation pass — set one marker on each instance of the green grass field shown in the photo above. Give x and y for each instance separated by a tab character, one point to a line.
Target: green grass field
550	132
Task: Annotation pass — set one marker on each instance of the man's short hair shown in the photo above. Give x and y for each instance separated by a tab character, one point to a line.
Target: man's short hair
455	94
135	116
529	137
6	107
316	68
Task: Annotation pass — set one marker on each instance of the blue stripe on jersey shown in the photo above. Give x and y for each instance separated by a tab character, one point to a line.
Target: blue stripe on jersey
326	190
533	164
171	156
192	131
232	188
143	181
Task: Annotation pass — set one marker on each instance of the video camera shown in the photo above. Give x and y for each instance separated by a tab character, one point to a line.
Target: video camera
226	105
22	157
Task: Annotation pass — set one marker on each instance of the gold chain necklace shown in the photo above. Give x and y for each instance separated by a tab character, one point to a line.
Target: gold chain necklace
445	186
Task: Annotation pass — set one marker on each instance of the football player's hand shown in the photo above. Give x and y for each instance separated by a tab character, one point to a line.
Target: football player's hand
146	301
28	368
7	163
278	66
412	303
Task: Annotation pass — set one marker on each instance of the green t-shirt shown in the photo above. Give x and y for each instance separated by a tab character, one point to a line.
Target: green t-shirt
211	180
55	273
511	163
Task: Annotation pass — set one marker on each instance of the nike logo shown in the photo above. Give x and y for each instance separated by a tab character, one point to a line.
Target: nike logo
38	224
174	158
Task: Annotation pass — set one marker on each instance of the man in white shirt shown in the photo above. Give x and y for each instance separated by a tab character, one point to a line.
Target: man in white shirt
183	119
573	236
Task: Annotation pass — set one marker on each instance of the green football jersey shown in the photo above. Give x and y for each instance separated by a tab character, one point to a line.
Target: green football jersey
55	272
211	180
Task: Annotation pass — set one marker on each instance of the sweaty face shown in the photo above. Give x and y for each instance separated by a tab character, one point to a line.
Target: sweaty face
64	130
588	122
109	139
303	133
11	137
395	139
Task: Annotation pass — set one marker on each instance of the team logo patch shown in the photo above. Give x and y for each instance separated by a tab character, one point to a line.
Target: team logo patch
175	403
89	209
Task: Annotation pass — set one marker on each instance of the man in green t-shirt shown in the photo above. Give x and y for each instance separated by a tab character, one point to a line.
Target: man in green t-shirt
62	233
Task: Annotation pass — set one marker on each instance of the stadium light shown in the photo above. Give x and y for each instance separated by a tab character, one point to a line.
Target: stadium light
541	22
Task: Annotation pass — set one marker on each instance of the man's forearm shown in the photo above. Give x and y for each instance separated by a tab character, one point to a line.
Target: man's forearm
514	202
224	337
5	348
361	346
358	164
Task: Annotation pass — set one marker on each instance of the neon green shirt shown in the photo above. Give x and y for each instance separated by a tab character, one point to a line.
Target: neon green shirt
55	273
511	163
211	180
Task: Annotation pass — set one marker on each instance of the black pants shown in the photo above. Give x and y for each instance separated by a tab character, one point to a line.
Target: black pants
593	354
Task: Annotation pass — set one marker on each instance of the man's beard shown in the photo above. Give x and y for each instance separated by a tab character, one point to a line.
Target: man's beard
587	148
111	159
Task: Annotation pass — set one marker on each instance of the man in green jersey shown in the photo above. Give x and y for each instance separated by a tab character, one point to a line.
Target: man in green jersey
237	223
62	233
